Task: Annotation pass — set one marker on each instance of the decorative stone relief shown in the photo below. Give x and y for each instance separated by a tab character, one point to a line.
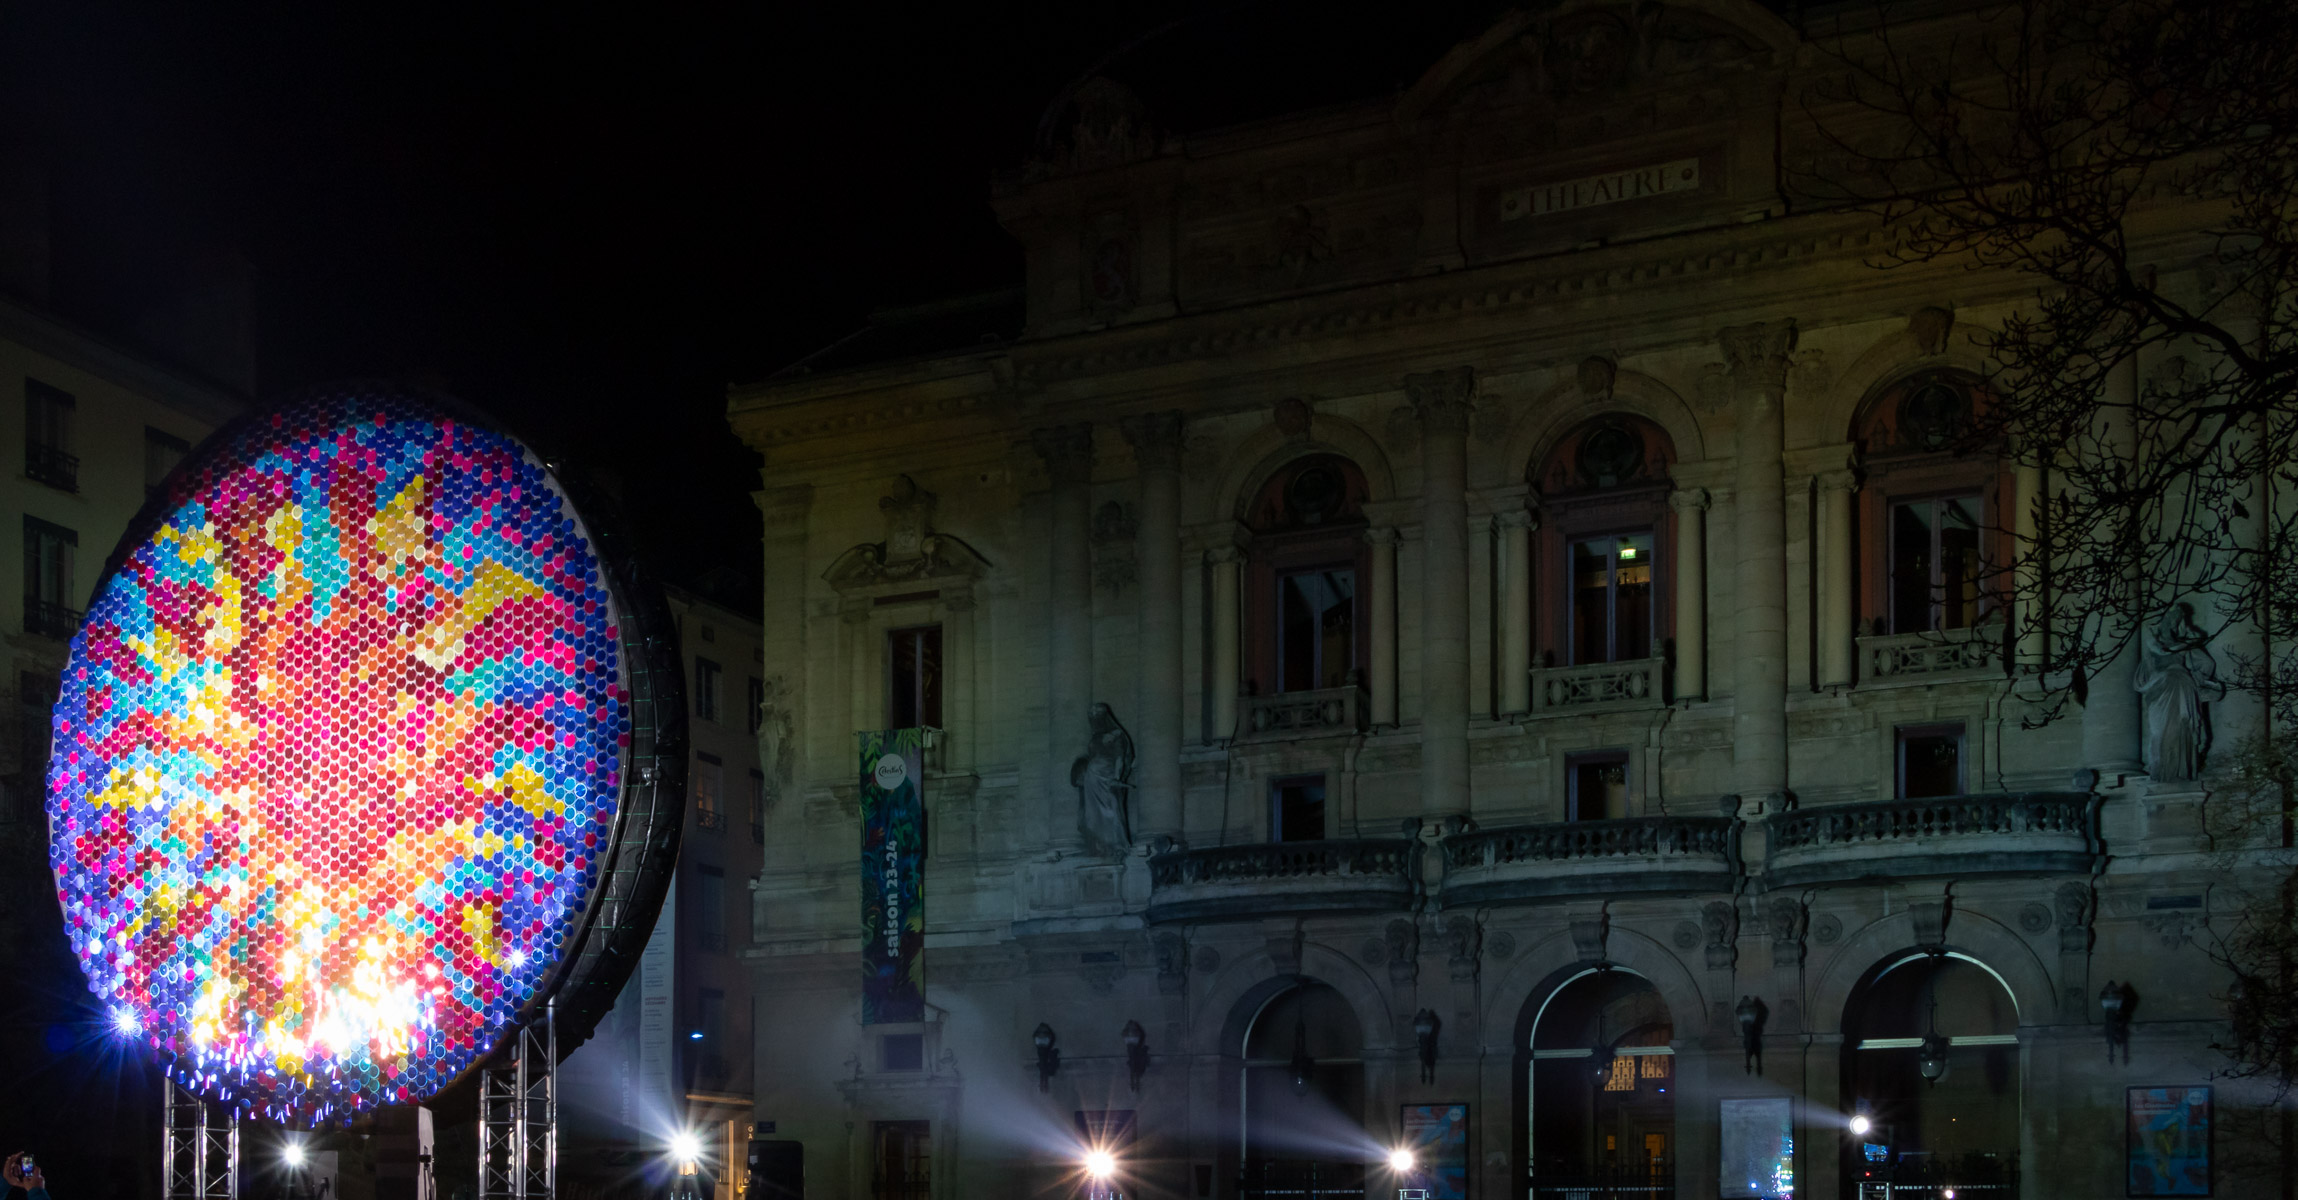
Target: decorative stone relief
2174	928
1172	953
2175	678
1720	920
1686	936
2035	918
1372	953
1929	327
913	549
1760	355
1103	777
1590	933
1787	917
1285	951
2075	910
1500	946
1100	124
1441	400
1403	951
1292	416
778	738
1826	929
1595	378
1930	919
1461	940
1207	960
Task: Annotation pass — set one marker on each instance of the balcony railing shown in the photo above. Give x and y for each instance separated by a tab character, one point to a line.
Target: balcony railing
44	618
1290	1179
1371	874
1974	652
52	466
1600	687
1954	835
1286	716
1635	854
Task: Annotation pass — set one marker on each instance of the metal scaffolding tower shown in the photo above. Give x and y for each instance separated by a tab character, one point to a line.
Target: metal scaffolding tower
519	1117
201	1156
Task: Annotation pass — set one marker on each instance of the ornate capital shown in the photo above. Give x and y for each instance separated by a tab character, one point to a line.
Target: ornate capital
1759	355
1155	438
1690	499
1067	451
1844	480
1225	554
1381	535
1440	399
1515	518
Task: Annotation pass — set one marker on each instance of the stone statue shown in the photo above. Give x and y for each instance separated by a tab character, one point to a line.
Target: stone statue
1104	779
2175	678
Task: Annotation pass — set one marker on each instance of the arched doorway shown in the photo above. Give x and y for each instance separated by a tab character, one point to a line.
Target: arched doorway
1303	1102
1603	1106
1931	1060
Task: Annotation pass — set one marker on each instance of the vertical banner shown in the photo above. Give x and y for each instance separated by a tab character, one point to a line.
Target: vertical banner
893	890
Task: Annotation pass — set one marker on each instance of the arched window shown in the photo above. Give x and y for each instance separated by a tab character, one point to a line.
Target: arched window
1603	1089
1306	569
1932	1061
1930	522
1304	1095
1604	543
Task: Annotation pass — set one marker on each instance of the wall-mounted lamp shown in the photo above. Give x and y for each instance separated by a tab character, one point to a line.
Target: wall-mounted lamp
1424	1026
1136	1053
1750	1013
1048	1058
2116	1000
1931	1056
1304	1067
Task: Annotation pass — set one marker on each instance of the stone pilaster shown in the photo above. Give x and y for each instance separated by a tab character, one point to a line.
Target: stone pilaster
1068	454
1441	401
1759	357
1838	579
1515	527
1156	440
2110	711
1225	563
1691	505
1380	609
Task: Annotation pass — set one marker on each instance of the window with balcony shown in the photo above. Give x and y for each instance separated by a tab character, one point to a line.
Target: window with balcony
1297	809
48	585
1934	564
1929	530
1597	566
1304	565
1596	786
48	456
913	677
707	678
1930	761
709	792
901	1160
162	451
1612	599
710	908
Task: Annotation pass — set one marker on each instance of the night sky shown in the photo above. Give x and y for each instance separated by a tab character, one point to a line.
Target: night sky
589	220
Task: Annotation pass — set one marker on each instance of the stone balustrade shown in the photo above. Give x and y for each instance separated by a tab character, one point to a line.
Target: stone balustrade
1570	858
1274	878
1900	659
1288	716
1600	687
1955	835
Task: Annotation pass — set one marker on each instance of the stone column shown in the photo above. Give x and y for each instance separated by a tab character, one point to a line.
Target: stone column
2110	710
1380	609
1759	359
1440	399
1156	440
2242	646
1838	580
2029	620
1515	610
1691	505
1224	562
1068	454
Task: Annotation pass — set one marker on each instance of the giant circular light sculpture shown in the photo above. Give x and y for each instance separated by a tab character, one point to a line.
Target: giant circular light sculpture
341	755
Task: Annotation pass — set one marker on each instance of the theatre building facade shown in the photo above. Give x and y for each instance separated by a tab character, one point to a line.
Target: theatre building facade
1464	621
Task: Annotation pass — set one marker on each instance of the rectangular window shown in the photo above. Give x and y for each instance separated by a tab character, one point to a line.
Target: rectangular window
1297	809
37	691
1316	629
1930	761
162	451
48	456
708	1036
1596	787
709	792
1612	599
914	677
755	704
48	584
902	1052
1935	564
710	908
757	807
901	1160
706	677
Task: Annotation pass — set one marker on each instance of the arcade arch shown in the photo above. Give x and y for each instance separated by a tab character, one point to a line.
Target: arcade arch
1931	1059
1601	1086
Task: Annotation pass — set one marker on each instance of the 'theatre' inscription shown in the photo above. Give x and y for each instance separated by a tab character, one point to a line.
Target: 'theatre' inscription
1540	200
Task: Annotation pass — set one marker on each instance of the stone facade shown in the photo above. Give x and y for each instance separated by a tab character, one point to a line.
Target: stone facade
1557	294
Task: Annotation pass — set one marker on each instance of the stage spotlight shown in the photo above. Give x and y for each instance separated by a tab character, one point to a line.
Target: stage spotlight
126	1024
1401	1161
686	1148
292	1154
1860	1125
1100	1164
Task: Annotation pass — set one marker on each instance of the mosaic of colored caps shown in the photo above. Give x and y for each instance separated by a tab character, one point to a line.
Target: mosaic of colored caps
337	757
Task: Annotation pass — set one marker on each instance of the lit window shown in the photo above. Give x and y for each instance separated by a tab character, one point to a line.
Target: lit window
709	792
1935	564
756	705
48	456
1297	809
1612	599
706	677
1596	787
1930	761
913	677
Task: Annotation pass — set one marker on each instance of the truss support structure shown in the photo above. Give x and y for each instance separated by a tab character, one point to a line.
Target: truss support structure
200	1148
519	1116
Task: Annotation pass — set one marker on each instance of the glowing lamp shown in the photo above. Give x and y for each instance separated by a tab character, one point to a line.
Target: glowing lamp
1860	1125
685	1147
1401	1160
1100	1164
292	1154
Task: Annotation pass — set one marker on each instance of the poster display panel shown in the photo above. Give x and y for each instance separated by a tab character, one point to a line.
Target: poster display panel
893	891
1758	1149
1437	1135
2168	1151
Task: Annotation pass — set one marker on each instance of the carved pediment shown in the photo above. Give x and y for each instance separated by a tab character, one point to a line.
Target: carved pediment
1580	50
913	551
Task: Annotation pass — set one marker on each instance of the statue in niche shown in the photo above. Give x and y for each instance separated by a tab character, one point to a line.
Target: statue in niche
1104	780
2175	678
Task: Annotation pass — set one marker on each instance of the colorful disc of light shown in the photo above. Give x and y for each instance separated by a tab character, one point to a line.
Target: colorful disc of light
337	756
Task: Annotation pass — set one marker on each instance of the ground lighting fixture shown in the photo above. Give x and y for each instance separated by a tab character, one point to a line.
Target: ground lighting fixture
1401	1160
1100	1164
1860	1125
